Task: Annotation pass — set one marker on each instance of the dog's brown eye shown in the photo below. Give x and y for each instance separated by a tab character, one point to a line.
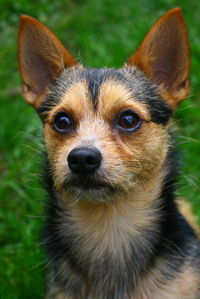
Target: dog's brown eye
129	121
62	123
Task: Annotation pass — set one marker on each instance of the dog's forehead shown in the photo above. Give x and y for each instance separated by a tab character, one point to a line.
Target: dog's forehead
95	88
128	78
91	83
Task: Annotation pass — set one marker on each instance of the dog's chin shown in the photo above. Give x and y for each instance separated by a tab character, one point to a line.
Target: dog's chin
86	188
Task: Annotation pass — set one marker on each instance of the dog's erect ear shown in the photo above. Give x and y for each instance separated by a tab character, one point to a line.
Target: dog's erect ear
164	56
42	58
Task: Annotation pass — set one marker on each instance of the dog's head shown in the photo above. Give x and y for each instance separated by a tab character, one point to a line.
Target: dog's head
106	130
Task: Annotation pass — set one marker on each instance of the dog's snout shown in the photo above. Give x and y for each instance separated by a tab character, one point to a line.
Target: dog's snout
84	160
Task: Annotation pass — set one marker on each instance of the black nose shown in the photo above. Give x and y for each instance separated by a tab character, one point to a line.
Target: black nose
84	160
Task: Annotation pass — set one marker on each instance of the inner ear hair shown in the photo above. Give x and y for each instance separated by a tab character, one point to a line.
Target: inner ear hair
42	58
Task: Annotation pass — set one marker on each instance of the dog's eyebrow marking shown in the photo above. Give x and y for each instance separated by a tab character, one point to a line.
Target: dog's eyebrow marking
145	91
95	79
131	78
135	81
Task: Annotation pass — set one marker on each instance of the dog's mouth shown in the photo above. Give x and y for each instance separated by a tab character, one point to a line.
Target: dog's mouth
88	184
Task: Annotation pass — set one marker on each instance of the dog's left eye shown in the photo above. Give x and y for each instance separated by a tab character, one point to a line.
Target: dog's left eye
128	121
62	123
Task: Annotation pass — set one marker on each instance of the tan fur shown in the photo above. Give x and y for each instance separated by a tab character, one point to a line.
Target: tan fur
184	286
186	209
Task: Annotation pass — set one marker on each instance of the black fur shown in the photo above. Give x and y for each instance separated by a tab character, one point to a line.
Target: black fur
176	235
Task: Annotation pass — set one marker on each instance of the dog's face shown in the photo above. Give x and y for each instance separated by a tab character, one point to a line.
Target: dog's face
106	130
102	134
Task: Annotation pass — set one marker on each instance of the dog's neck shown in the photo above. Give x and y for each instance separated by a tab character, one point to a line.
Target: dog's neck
112	226
126	235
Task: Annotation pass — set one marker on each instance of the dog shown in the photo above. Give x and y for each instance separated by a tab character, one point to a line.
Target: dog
113	228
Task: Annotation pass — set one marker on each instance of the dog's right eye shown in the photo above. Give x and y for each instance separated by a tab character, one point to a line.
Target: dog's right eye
63	123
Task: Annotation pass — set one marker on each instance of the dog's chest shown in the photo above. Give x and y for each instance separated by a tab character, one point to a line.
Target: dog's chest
102	260
184	286
106	260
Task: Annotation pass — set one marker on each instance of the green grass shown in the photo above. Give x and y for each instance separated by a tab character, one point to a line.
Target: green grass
102	33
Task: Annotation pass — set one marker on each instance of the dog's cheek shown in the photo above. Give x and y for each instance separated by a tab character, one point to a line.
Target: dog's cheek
51	143
152	148
141	155
57	148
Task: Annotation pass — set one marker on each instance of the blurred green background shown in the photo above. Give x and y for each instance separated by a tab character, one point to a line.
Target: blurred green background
102	33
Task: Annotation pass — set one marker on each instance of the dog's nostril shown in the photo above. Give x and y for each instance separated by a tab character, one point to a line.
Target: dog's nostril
90	160
84	160
73	160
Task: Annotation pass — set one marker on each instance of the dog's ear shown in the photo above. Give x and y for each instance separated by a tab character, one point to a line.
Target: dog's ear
42	58
164	56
